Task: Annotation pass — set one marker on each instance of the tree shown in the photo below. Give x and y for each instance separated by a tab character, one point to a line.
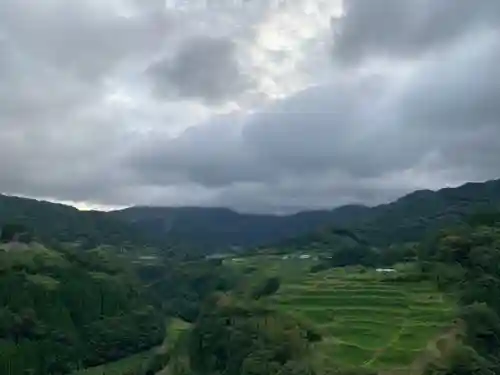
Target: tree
483	327
267	287
464	360
15	232
233	337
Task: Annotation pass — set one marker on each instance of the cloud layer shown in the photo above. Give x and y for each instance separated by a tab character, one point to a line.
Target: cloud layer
258	107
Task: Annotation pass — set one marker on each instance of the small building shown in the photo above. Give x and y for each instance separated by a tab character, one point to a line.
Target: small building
304	256
217	256
385	270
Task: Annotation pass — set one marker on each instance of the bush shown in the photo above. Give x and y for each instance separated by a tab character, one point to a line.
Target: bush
323	266
267	288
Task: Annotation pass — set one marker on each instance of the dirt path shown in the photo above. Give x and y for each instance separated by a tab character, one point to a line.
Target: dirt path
437	348
383	349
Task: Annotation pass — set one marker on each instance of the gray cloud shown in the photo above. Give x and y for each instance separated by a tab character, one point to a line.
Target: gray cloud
407	27
78	121
204	67
359	138
82	37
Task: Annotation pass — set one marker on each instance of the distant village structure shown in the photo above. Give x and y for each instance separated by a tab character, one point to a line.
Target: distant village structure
384	270
299	256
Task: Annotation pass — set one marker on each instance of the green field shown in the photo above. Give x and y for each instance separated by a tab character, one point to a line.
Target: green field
129	365
134	364
364	319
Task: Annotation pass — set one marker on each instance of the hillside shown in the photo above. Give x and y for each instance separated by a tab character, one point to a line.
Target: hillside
405	220
216	228
213	229
52	223
369	320
65	310
410	218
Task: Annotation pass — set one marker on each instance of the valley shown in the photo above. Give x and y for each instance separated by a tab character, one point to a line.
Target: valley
336	301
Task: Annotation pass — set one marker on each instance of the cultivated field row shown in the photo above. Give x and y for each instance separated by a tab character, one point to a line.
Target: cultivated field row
380	325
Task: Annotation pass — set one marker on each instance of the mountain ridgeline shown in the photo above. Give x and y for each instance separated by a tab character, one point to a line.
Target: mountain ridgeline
67	307
52	223
215	229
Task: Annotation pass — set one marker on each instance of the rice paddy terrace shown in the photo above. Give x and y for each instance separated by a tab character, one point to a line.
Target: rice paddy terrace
366	320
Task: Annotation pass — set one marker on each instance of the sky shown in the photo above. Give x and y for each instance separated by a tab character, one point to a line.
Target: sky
258	105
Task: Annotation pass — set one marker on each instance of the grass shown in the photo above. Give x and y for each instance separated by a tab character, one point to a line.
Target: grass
350	353
394	358
129	365
351	301
365	319
175	329
368	312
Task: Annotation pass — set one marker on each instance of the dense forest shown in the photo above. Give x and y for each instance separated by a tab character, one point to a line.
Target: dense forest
466	260
52	224
407	220
66	309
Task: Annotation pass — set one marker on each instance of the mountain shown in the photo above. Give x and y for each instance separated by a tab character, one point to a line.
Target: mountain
219	228
411	217
404	220
52	223
214	229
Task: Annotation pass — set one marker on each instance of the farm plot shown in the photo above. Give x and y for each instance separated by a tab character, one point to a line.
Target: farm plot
364	319
377	325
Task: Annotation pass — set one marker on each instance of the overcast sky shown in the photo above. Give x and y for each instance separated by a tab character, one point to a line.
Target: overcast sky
262	106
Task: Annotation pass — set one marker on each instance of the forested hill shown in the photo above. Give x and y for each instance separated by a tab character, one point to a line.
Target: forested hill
52	223
411	217
213	229
421	212
61	310
406	219
216	228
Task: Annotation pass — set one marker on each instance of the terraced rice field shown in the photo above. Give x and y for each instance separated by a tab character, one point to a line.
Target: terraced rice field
365	321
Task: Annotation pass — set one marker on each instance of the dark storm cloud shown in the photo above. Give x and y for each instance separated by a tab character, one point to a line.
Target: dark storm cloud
414	105
408	27
204	67
55	57
78	36
361	138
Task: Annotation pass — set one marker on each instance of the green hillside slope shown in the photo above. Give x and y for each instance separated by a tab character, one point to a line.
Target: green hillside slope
367	320
64	310
215	229
53	223
410	218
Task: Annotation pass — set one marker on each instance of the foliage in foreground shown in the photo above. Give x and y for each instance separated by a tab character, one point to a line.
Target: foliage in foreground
234	337
63	310
471	256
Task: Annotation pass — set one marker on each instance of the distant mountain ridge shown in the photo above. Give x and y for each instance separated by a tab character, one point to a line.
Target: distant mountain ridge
425	211
213	229
404	220
56	223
